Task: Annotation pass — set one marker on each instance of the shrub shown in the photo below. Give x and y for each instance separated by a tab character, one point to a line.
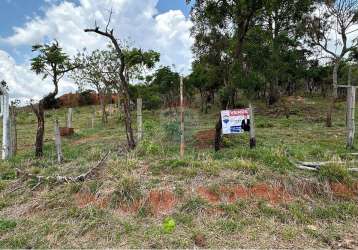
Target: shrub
335	173
6	224
127	191
194	205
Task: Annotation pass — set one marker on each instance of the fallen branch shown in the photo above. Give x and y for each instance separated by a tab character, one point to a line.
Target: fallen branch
63	179
315	166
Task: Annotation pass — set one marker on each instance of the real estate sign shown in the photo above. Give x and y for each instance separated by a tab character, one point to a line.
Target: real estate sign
235	121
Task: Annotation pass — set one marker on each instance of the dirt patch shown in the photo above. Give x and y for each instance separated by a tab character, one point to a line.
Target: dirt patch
161	201
86	140
85	199
342	190
205	138
231	194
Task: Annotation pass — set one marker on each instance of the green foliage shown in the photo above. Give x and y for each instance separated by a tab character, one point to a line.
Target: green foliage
335	173
169	225
6	225
127	191
172	130
148	147
339	211
194	205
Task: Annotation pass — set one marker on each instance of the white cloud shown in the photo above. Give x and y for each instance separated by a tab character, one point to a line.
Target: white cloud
23	83
134	20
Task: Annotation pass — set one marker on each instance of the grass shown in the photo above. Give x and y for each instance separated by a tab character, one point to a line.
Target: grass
53	216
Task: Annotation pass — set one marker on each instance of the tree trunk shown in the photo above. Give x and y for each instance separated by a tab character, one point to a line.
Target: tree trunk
128	122
39	112
103	108
335	79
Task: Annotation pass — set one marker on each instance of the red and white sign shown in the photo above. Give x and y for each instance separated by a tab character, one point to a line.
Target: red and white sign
235	121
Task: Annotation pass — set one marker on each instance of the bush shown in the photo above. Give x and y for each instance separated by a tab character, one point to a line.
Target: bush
172	130
127	191
6	224
335	173
194	205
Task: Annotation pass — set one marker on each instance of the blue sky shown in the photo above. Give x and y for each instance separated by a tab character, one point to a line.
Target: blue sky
161	25
14	13
17	12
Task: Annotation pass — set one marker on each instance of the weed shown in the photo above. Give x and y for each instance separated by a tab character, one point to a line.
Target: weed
229	225
271	211
183	218
299	213
6	225
334	173
339	211
127	191
169	225
194	205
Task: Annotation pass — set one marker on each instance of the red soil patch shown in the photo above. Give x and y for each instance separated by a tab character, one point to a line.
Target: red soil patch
342	190
231	194
161	202
85	199
205	138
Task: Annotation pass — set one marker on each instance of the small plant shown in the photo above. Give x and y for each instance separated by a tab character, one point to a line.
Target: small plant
230	225
147	147
335	173
172	130
169	225
126	192
7	224
194	205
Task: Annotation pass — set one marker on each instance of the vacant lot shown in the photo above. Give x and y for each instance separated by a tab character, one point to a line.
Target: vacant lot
149	198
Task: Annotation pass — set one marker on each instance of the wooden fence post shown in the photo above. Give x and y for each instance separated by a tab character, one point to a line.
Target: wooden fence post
69	118
139	120
58	142
182	139
252	127
6	137
351	93
13	129
93	117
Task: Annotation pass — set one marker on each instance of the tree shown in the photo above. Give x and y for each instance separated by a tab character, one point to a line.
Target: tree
126	61
51	62
166	84
334	18
228	22
92	73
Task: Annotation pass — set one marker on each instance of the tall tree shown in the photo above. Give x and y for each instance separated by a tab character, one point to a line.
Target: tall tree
126	61
91	75
328	31
230	19
51	62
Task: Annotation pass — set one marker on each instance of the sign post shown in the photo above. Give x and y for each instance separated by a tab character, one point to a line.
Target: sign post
239	121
